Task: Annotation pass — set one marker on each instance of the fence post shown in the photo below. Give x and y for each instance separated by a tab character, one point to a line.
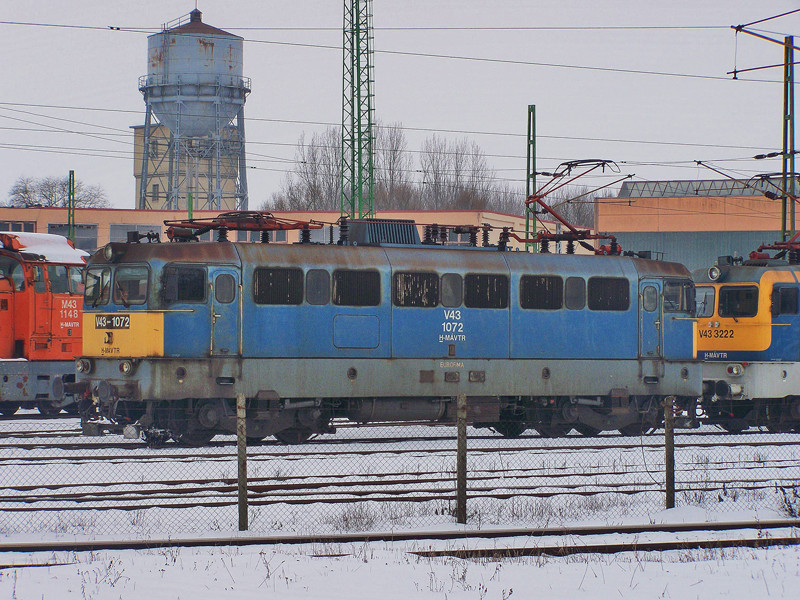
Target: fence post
241	439
669	449
461	460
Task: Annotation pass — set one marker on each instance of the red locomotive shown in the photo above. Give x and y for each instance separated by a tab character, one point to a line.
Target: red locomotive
41	296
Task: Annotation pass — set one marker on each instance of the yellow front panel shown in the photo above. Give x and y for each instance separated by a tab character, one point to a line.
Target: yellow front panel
743	333
134	334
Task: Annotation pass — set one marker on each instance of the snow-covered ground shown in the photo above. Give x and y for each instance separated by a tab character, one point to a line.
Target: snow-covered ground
392	570
388	570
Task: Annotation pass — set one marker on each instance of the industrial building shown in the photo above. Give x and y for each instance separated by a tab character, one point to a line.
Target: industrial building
693	222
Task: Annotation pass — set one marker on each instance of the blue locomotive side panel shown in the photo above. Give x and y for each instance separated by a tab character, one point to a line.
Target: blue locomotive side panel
306	303
457	304
574	308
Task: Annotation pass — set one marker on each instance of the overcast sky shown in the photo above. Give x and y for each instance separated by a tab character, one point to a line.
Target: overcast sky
640	82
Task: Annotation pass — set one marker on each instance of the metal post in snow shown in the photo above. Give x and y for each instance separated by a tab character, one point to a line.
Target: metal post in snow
669	449
241	438
461	460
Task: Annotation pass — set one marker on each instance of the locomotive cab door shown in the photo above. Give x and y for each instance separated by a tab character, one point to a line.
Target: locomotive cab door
651	319
225	312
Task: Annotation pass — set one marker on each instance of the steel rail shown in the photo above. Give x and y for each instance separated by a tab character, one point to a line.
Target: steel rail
394	536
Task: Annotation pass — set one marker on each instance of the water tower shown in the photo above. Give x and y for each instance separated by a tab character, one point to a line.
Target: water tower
195	154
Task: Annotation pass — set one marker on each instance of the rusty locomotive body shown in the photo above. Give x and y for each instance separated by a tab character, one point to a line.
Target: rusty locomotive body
378	327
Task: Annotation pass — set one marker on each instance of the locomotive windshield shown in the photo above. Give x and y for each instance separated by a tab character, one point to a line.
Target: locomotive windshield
738	301
13	270
98	286
130	285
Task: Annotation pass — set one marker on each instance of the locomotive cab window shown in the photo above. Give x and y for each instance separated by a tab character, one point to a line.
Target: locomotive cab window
679	296
184	284
485	291
416	289
704	301
278	286
98	287
130	285
543	292
356	288
739	301
609	293
784	301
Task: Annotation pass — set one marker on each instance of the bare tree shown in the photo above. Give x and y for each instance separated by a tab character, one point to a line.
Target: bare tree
54	191
315	181
394	185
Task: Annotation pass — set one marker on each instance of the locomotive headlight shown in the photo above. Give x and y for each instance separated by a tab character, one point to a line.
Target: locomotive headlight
83	365
714	273
735	370
126	367
113	252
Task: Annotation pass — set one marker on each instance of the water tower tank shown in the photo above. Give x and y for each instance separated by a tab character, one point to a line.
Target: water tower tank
194	80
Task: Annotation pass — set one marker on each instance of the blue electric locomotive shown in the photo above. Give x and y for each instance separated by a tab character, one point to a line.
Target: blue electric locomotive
377	327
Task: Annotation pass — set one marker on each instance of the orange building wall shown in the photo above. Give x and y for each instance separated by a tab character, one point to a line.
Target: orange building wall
727	213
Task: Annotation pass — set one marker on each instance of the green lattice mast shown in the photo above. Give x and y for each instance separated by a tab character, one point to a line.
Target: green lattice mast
358	137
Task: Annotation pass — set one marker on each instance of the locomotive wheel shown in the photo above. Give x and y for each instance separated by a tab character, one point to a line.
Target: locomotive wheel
48	409
293	435
73	408
586	430
553	431
510	429
8	408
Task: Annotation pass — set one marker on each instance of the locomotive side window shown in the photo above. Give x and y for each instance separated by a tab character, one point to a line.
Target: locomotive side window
678	296
130	285
318	287
609	293
452	290
278	286
416	289
356	288
784	301
184	284
225	288
704	301
98	287
575	292
485	291
543	292
738	301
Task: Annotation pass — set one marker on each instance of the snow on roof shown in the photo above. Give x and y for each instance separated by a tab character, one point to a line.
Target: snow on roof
54	248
